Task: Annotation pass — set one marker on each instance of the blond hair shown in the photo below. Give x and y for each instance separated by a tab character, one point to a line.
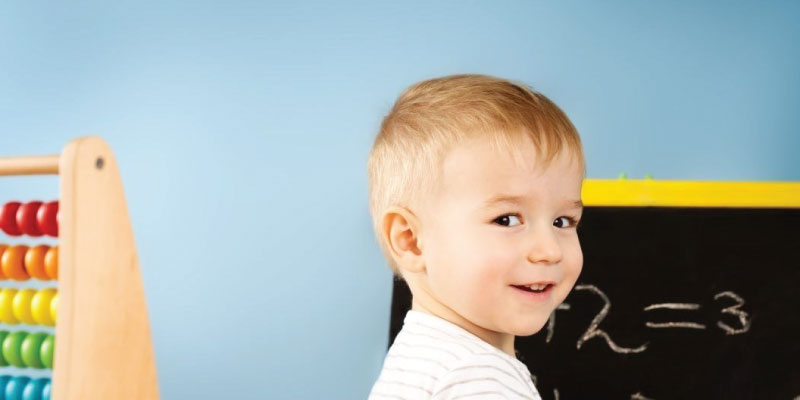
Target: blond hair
431	116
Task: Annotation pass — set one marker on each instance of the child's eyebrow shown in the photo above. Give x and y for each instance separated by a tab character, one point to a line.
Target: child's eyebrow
503	198
507	198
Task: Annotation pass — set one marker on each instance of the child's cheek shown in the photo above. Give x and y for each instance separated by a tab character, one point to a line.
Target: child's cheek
574	262
494	259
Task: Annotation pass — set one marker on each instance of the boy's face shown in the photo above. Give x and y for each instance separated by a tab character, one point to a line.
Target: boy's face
479	253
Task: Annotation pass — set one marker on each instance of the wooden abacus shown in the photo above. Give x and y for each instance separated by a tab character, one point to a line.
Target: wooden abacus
104	350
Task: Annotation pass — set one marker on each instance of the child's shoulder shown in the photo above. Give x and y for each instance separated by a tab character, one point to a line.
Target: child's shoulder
431	357
486	373
428	339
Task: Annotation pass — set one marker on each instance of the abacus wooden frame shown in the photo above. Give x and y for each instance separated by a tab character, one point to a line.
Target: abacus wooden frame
104	349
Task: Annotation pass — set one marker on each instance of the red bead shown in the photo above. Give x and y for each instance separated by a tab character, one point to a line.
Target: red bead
26	218
8	218
47	218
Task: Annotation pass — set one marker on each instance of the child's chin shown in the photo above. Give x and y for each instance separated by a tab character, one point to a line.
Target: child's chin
529	328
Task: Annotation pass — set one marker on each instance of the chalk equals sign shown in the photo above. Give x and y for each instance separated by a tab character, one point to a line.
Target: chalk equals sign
674	306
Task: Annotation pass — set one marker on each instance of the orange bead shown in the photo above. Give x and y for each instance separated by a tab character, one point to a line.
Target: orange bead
3	248
51	262
34	262
12	263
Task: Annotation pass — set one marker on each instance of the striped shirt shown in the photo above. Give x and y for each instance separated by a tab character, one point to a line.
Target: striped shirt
432	358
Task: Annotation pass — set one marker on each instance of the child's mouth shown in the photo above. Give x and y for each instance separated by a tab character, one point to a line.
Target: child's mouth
538	292
534	289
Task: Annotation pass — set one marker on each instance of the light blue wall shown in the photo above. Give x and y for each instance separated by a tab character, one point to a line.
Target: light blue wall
242	131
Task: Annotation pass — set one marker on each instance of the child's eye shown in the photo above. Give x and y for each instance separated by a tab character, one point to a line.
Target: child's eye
573	222
506	220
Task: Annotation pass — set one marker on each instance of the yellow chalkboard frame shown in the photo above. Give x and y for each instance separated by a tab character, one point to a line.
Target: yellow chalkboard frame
666	193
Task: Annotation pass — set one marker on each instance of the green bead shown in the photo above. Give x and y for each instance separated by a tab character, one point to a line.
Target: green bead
12	345
3	362
30	350
47	351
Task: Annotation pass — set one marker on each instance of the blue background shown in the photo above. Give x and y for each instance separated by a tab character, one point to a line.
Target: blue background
242	131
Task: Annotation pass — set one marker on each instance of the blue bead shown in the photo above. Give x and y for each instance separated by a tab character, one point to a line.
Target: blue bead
3	382
46	391
33	390
15	387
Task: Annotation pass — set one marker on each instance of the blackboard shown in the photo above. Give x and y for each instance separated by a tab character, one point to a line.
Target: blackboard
702	303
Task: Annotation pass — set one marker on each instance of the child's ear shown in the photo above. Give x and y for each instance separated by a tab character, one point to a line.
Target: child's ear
401	233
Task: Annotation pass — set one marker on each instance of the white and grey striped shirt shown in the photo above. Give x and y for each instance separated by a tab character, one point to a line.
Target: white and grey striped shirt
432	358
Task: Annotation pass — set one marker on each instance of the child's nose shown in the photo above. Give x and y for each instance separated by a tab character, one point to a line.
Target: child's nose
544	247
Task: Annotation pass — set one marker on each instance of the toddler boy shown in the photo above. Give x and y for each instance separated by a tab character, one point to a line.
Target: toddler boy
475	194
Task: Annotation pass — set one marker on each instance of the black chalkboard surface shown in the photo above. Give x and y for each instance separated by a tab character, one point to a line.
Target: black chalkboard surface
672	303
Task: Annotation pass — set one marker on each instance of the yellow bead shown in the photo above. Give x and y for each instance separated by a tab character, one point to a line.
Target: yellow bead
7	306
54	308
40	306
22	306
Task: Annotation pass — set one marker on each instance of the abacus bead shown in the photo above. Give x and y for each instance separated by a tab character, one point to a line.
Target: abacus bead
54	308
4	379
26	218
22	306
31	347
3	362
34	262
48	350
8	218
12	345
15	387
7	306
33	390
46	390
12	262
46	217
40	306
51	262
3	276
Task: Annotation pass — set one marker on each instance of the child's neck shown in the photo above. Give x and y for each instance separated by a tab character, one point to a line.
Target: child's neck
500	340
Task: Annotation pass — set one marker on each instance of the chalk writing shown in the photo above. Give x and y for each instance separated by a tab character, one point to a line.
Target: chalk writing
551	323
674	306
594	330
734	310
